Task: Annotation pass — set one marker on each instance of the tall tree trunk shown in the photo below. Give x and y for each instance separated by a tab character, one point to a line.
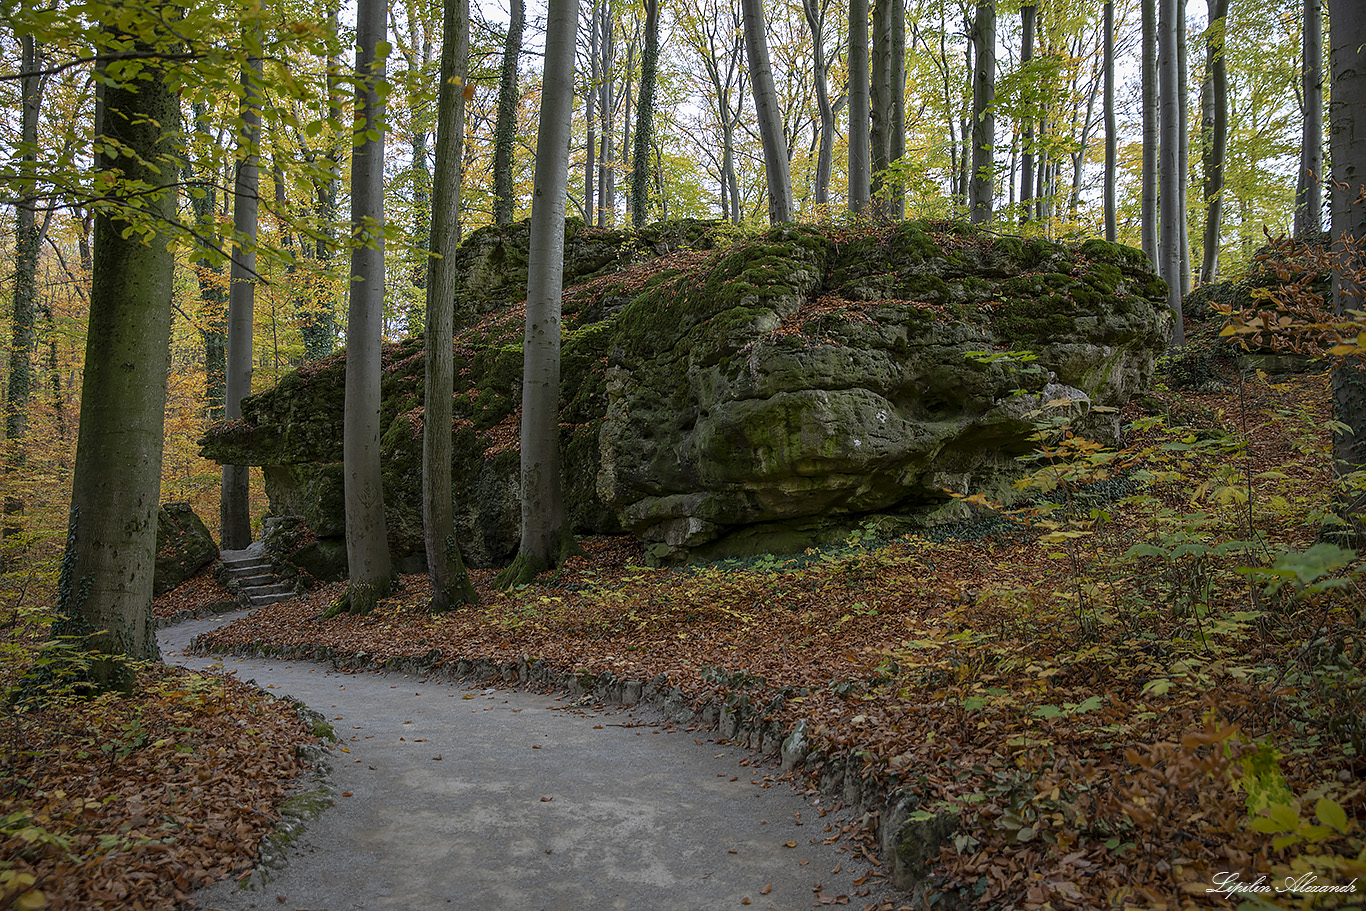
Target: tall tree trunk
1151	139
1173	213
212	313
590	174
450	582
815	20
766	110
105	591
860	150
28	237
1347	152
1111	131
422	185
318	324
897	145
1183	146
505	129
880	97
546	534
607	172
234	500
1216	137
981	188
640	158
1309	188
1028	13
367	544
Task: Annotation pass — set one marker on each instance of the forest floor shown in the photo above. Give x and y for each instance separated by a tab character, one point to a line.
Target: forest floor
1142	688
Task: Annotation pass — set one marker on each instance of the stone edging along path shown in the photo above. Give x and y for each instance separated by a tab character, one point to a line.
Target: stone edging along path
907	844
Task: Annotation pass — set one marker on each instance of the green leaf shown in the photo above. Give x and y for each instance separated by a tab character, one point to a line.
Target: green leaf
1331	813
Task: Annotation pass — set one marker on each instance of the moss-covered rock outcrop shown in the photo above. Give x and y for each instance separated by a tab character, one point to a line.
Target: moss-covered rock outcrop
763	396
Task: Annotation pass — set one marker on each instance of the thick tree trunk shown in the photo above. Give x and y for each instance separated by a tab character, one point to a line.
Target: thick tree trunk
880	99
546	534
1028	14
234	500
1347	151
860	150
981	189
1215	143
640	157
505	129
1173	212
1151	139
367	545
1309	187
1111	131
766	111
105	591
450	582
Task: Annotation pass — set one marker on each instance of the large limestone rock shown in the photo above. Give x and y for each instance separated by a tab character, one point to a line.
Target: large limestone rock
780	392
184	546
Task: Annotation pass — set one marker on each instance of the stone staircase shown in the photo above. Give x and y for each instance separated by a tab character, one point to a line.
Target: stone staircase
257	585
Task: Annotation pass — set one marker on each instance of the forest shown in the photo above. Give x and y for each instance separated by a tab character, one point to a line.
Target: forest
1143	655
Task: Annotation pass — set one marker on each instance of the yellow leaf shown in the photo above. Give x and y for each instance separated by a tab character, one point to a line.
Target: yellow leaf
33	900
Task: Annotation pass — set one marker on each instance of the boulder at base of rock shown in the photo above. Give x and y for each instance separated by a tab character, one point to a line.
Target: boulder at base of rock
184	546
788	390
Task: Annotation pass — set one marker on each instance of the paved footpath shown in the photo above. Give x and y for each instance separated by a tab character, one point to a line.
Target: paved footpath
501	800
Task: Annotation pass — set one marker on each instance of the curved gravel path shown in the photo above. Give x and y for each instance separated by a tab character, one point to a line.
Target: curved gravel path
497	800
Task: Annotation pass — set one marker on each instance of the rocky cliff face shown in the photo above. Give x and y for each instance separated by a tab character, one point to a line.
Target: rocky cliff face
773	394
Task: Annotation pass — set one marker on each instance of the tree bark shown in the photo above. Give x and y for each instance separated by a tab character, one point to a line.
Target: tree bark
105	590
981	188
546	535
607	172
1027	17
234	499
590	175
640	157
450	582
505	129
1111	131
1347	148
367	545
860	149
1173	213
815	20
1216	138
1309	187
880	100
766	110
28	238
1151	139
1183	146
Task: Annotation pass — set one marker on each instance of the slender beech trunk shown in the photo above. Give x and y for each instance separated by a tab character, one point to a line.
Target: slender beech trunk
422	183
1216	137
880	99
105	590
450	582
1309	188
546	535
640	158
1151	139
212	312
981	188
897	141
367	545
1111	131
1183	145
234	508
1028	14
607	172
1347	152
28	237
590	174
318	324
1172	211
505	129
815	20
766	111
860	150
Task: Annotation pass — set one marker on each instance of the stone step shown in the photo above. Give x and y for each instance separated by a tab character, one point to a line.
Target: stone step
268	588
255	601
256	578
246	563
